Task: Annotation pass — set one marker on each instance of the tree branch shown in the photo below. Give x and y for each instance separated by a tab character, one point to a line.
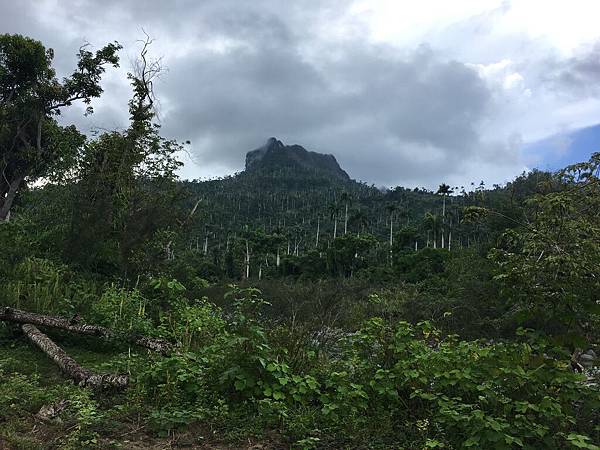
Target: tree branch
19	316
69	366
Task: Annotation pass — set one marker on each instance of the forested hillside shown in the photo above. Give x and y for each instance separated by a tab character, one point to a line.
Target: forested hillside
292	215
285	306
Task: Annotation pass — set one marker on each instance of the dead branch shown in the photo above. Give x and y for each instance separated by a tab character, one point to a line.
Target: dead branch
69	366
19	316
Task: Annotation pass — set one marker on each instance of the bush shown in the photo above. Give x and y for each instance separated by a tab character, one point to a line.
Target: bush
441	391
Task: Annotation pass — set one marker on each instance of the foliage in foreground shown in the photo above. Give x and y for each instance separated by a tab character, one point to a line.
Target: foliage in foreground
388	384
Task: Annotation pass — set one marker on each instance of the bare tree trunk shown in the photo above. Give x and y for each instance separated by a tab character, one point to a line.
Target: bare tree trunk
391	236
318	229
444	207
19	316
10	197
443	219
346	220
168	250
297	247
247	260
69	366
334	227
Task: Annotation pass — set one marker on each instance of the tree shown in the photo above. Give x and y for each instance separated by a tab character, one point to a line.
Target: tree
431	222
444	190
32	144
318	231
334	209
342	255
345	198
126	187
405	239
391	208
549	266
360	219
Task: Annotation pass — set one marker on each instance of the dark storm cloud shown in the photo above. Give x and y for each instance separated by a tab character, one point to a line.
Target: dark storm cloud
366	104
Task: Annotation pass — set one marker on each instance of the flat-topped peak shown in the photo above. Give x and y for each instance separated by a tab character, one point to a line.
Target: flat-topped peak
274	154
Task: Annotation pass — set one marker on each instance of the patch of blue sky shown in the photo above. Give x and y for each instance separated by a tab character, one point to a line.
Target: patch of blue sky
560	150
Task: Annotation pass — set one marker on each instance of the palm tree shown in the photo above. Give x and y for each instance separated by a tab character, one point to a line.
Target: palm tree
444	190
360	219
333	211
431	222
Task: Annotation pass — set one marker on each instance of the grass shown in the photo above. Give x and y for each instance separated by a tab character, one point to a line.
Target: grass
31	380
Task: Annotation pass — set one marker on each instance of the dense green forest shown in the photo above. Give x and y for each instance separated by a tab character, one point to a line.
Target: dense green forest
285	306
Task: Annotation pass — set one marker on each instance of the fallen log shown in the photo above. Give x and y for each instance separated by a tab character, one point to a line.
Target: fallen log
20	316
69	366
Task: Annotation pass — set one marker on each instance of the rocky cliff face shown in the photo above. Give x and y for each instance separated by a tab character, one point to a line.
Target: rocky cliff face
274	154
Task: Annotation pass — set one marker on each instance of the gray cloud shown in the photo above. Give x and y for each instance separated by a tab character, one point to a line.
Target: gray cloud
239	72
372	106
579	75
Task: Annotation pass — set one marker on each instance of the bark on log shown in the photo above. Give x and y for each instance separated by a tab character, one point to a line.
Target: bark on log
69	366
19	316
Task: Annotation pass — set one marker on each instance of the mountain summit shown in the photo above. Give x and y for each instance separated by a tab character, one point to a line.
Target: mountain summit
274	154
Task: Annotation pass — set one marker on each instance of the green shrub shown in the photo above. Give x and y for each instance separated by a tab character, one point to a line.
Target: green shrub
45	286
123	310
440	391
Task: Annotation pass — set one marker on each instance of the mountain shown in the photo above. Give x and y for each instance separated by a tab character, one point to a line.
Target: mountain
274	155
292	192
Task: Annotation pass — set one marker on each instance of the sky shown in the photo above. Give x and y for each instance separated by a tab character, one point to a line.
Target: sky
401	92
